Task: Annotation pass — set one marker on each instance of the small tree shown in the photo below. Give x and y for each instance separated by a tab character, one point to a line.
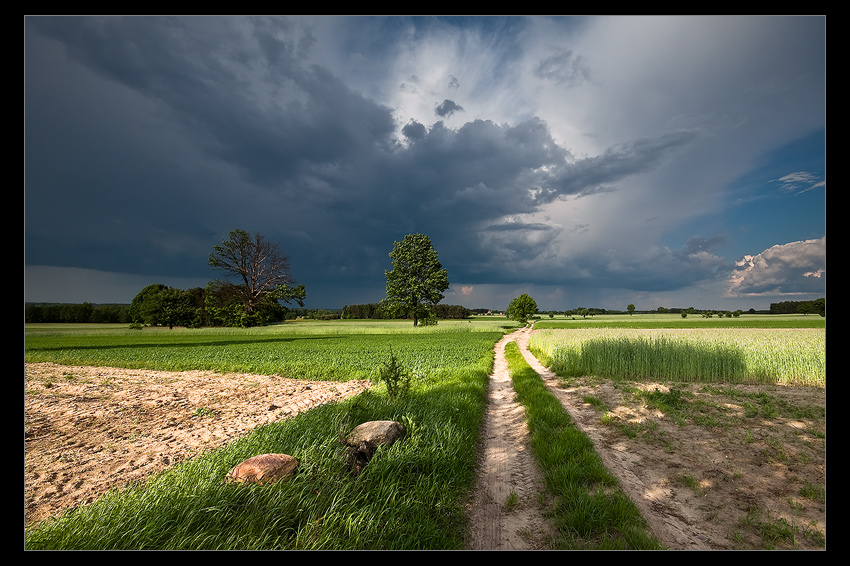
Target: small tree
395	377
417	280
521	308
631	309
159	304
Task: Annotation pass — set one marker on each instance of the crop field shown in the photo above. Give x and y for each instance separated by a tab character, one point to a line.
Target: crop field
413	494
312	350
411	498
785	356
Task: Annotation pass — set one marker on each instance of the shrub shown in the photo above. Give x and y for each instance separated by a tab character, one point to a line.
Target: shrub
395	377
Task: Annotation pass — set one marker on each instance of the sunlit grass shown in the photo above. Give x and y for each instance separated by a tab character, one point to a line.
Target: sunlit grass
410	496
788	356
320	351
590	509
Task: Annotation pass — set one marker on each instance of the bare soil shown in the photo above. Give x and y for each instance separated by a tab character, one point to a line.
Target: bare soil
730	486
91	429
735	483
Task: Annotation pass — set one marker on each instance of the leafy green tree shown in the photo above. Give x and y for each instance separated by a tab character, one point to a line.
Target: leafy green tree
521	308
143	305
175	308
224	306
160	305
262	268
631	309
417	280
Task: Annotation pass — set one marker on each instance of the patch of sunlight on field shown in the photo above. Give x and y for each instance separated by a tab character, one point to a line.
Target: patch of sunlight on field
783	355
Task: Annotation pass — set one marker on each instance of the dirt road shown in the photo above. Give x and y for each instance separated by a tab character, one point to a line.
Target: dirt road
506	512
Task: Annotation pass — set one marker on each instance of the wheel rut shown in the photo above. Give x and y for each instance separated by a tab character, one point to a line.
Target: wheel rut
508	507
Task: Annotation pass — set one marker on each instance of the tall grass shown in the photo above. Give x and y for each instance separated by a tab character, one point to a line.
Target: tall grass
787	356
410	496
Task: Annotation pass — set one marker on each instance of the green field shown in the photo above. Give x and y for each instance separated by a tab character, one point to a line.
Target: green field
794	356
412	495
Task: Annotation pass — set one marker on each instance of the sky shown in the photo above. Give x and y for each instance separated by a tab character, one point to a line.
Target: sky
586	161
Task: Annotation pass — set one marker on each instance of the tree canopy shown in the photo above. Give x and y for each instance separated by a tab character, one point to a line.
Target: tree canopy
521	308
417	280
160	304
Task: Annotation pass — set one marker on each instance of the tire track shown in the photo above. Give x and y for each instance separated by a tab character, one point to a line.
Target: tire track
506	512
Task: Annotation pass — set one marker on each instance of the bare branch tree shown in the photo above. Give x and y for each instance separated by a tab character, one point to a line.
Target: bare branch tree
260	263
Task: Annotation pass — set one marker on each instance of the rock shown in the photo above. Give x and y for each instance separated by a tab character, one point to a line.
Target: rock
265	468
365	439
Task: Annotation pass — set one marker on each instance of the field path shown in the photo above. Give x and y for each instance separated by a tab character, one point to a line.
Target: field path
506	512
670	526
508	466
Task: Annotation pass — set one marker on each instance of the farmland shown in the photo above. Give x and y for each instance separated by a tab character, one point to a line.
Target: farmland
414	495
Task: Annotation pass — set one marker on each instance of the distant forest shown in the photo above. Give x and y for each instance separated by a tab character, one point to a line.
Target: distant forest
119	313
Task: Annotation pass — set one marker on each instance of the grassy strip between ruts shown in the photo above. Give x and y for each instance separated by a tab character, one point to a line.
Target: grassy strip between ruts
590	511
409	497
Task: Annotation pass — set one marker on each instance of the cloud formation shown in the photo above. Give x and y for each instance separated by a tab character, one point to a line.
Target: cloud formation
552	151
796	268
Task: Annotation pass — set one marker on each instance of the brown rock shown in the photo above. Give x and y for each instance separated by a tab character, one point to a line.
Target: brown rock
265	468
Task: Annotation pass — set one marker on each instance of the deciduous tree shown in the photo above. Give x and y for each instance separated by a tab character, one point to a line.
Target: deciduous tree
260	265
521	308
159	304
417	280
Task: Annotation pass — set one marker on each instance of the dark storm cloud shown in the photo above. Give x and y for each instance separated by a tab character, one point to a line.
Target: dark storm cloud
319	155
251	103
447	107
147	139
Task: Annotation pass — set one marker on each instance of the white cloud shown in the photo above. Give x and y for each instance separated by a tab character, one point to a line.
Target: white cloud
796	268
800	182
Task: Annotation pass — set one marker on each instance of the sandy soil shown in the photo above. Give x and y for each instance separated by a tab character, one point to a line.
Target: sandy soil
90	429
506	512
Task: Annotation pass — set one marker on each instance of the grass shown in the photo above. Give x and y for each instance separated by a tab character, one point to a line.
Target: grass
590	512
782	355
410	496
305	351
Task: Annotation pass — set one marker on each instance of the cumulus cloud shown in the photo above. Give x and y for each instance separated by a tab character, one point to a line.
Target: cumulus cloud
796	268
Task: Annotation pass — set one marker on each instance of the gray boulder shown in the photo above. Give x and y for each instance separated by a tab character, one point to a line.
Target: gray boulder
364	440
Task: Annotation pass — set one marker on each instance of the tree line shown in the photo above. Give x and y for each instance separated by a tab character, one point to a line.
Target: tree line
818	306
76	313
380	311
263	283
